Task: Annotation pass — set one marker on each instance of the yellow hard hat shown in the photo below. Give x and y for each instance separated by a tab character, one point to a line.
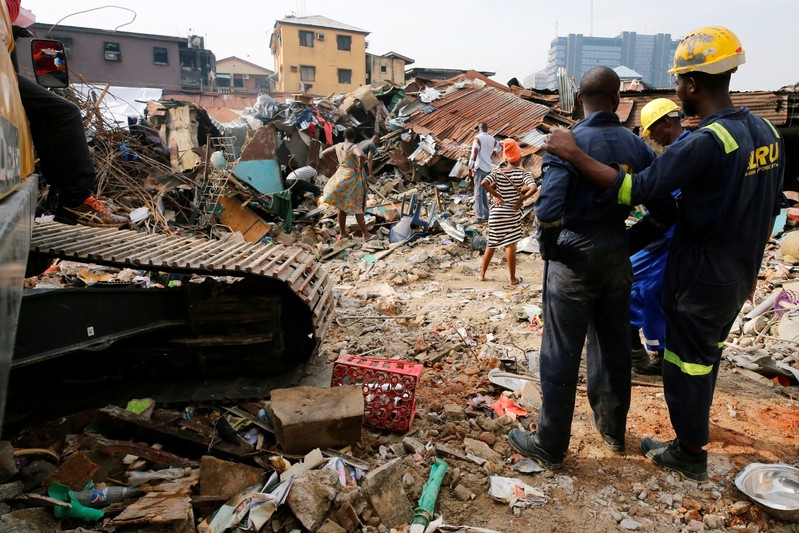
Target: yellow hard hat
655	110
713	49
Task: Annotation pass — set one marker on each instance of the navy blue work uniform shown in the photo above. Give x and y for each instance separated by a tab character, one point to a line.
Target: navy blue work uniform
587	278
730	171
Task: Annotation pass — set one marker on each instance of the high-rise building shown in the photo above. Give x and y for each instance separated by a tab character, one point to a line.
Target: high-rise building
650	55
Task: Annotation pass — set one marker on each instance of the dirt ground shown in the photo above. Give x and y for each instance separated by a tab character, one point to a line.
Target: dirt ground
434	281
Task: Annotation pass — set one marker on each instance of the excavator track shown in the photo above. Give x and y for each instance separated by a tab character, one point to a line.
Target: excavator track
298	269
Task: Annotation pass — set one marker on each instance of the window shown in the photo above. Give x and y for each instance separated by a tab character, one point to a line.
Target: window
67	42
306	38
238	81
344	42
307	73
383	69
160	55
345	75
293	68
111	52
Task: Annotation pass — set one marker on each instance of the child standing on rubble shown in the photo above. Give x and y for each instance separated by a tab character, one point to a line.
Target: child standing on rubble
509	187
345	190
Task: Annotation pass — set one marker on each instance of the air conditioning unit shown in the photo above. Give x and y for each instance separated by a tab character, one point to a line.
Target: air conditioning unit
245	76
320	36
112	56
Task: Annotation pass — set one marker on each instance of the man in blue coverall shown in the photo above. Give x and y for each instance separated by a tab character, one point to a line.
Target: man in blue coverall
587	278
660	120
730	171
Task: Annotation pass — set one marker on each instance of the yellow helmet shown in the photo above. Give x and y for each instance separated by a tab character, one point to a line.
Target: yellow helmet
655	110
713	49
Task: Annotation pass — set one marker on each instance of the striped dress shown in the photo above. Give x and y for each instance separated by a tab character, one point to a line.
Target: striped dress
504	223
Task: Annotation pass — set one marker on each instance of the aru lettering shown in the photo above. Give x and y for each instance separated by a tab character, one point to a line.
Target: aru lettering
763	158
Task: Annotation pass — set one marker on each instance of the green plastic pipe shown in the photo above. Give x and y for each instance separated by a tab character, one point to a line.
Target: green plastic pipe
427	501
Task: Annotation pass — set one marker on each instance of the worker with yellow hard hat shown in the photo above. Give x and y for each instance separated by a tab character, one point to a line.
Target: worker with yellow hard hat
660	119
730	171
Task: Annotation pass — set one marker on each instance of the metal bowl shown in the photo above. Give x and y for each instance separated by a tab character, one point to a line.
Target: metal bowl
774	487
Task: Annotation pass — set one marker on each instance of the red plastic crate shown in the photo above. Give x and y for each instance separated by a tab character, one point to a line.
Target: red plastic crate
389	389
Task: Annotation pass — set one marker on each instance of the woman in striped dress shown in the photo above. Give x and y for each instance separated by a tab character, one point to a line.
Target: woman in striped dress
508	186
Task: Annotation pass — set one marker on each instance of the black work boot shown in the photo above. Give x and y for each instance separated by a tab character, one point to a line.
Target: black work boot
525	443
612	443
672	456
654	368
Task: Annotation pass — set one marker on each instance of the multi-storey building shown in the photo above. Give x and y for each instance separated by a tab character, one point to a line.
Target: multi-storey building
130	59
318	55
649	55
237	75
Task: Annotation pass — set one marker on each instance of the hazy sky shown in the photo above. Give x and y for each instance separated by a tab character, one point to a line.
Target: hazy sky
509	37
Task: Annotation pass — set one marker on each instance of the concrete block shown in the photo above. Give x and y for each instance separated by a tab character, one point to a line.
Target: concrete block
225	478
36	520
10	490
311	496
387	495
8	466
312	417
331	527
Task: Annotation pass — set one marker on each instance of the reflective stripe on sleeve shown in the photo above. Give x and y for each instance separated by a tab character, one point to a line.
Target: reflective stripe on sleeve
626	190
692	369
724	136
767	121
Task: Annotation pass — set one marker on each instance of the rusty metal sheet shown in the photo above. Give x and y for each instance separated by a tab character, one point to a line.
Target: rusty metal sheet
625	107
457	113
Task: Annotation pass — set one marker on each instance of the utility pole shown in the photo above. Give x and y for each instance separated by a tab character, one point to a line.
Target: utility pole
591	27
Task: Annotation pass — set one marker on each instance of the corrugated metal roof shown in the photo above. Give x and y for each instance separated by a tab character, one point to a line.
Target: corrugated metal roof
318	21
625	107
457	114
214	101
779	107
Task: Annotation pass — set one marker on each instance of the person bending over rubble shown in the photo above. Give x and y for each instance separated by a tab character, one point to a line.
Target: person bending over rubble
587	276
346	190
301	181
509	187
64	159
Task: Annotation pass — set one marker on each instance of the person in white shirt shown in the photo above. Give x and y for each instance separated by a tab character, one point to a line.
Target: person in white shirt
483	148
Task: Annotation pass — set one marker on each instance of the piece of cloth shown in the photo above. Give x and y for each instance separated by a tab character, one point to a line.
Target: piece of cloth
298	190
485	145
504	222
306	173
481	212
730	171
346	190
60	142
13	9
586	287
511	151
281	206
646	296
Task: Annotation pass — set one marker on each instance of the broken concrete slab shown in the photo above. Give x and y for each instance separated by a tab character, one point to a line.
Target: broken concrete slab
8	466
10	490
77	470
314	417
483	450
36	520
226	479
331	527
311	496
387	495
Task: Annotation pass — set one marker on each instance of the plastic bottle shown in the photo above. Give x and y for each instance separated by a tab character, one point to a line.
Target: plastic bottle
106	496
